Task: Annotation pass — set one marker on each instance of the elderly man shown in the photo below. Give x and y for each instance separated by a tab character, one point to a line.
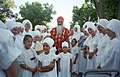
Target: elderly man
59	34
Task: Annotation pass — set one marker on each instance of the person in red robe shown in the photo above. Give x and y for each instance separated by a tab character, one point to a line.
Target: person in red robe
59	34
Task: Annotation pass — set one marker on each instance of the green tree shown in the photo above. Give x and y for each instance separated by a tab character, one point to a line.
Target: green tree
83	14
5	9
108	9
37	13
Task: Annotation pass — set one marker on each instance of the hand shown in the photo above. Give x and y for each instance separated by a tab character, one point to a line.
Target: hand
33	71
91	55
74	62
59	69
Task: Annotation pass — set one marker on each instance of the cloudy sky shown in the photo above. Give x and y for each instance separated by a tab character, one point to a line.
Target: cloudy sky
62	7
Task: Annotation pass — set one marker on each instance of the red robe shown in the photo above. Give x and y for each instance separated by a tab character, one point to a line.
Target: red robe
58	39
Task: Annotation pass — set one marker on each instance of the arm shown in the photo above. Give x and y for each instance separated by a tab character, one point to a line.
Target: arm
59	65
76	58
12	71
70	65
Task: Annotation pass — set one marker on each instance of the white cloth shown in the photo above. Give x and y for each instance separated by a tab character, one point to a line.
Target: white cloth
114	25
65	64
101	47
11	24
92	44
27	33
103	22
2	25
64	44
49	41
74	51
46	60
111	58
8	51
26	58
25	22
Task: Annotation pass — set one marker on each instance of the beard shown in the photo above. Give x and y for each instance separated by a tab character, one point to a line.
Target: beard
59	30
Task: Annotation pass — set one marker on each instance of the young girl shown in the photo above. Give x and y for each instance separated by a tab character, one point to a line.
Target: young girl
74	52
65	61
47	60
27	60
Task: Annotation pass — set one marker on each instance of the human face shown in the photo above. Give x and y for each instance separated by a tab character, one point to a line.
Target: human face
37	38
27	27
91	31
73	42
110	33
60	22
75	29
101	29
15	30
46	48
65	49
28	43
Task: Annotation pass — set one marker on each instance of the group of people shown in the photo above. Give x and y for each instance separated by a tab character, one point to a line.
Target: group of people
60	52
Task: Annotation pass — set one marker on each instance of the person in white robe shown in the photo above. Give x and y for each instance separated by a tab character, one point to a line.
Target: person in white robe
111	58
65	61
47	60
28	59
74	51
91	44
27	27
8	53
102	40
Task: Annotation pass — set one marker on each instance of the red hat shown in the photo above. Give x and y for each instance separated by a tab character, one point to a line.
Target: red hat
60	18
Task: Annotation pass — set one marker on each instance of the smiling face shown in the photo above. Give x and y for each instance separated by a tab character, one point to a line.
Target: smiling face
65	49
91	31
46	48
28	43
101	29
15	30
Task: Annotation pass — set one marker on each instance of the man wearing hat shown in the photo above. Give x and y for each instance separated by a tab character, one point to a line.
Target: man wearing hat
59	34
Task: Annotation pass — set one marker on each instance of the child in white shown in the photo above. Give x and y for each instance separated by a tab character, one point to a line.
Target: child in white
74	52
47	60
28	59
65	62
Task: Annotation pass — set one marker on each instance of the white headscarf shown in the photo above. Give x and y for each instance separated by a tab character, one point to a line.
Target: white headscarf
11	24
27	21
103	23
91	25
49	41
78	29
64	44
19	24
35	33
2	25
37	27
114	25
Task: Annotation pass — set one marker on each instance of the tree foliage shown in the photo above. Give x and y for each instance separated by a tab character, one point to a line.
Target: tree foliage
37	13
5	11
84	14
108	9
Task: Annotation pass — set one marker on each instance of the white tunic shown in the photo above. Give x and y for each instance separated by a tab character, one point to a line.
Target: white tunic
111	58
8	51
46	60
27	58
65	64
92	44
74	51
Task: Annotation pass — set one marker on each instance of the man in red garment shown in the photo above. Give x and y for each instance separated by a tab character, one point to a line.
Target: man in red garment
60	34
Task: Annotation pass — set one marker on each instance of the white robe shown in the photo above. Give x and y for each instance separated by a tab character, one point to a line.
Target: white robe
26	58
46	60
65	64
111	58
92	44
74	51
8	51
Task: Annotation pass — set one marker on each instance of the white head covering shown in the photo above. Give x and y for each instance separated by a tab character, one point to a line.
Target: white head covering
27	21
64	44
37	27
78	28
2	25
11	24
35	33
49	41
103	23
114	25
91	25
19	24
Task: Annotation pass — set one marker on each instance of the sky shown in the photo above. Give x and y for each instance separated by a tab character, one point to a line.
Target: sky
62	7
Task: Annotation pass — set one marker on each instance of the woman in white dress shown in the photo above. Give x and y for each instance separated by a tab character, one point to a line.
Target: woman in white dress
47	60
65	61
28	59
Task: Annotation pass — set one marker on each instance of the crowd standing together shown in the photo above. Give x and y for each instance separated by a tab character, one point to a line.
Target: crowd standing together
59	52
